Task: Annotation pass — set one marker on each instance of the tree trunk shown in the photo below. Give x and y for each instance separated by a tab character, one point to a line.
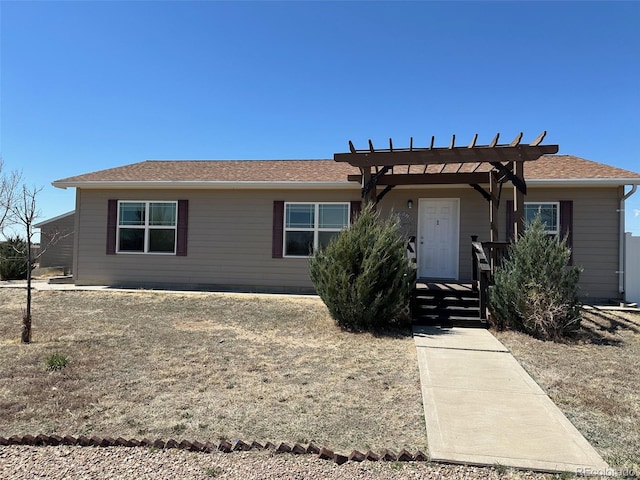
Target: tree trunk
26	329
26	319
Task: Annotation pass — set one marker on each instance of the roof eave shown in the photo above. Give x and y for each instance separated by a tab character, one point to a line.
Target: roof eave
51	220
293	185
582	182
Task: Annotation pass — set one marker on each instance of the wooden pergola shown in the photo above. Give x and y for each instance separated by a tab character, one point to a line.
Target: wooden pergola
475	165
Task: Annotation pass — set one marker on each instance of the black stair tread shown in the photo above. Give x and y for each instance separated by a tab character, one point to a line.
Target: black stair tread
477	323
443	313
446	299
427	295
428	316
420	301
446	306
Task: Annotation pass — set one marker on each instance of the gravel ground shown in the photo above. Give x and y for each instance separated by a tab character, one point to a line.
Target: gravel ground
64	462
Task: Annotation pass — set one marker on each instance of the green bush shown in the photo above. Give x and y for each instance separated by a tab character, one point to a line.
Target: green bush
56	361
13	259
364	276
536	290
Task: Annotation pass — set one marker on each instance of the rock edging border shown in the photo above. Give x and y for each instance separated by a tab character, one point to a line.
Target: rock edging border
208	447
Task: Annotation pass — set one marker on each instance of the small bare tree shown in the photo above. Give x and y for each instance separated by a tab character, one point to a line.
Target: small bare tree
25	214
8	189
18	208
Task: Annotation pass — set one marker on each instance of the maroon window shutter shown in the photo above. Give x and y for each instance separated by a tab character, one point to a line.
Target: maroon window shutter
356	206
112	225
278	229
566	223
183	224
509	229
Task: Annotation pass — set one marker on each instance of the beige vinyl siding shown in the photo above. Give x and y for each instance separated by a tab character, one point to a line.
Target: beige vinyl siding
230	232
595	235
60	252
595	228
229	241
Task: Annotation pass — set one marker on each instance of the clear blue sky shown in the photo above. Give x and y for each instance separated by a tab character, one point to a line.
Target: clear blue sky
93	85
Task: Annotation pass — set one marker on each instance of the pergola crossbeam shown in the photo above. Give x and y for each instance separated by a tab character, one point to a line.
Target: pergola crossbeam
375	180
386	190
437	156
427	178
476	165
519	183
482	191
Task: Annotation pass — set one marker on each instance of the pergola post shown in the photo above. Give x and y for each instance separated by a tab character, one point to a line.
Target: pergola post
493	206
518	203
368	190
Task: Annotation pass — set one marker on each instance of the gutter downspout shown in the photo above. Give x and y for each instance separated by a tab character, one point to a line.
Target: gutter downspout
621	248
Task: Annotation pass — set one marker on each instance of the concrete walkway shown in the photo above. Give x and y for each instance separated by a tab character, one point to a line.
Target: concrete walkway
482	408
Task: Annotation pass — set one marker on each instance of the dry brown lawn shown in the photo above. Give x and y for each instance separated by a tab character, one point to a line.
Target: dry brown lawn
275	368
594	379
205	367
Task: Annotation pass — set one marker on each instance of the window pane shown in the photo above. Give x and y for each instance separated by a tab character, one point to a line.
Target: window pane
548	214
325	237
162	214
132	213
300	216
298	243
132	240
162	240
333	216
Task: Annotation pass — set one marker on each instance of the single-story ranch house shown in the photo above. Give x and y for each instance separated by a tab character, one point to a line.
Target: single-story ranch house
250	225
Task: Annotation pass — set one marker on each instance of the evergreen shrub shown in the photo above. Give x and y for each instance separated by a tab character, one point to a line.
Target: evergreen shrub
536	288
364	276
13	259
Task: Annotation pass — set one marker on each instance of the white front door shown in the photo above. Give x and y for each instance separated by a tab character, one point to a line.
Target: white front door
438	238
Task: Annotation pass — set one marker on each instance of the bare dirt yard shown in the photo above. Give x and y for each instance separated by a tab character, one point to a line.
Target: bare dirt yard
266	368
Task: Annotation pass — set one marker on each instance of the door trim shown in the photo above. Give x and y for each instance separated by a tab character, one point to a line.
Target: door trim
420	247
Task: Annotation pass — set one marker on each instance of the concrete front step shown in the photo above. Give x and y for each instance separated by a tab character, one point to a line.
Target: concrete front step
61	279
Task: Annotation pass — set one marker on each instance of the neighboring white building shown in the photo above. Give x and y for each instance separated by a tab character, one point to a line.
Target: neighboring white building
632	269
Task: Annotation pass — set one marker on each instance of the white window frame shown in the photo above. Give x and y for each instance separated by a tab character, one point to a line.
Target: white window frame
146	227
555	232
315	229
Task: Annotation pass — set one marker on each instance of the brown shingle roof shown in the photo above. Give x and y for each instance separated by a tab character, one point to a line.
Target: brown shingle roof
222	171
548	167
